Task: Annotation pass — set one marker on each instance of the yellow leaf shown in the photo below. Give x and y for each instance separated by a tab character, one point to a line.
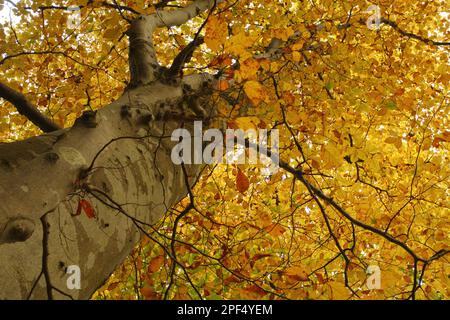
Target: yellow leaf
254	91
112	33
298	45
440	235
296	273
397	141
275	229
216	33
249	69
338	290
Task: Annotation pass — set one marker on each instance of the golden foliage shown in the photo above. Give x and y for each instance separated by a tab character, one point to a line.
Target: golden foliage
363	113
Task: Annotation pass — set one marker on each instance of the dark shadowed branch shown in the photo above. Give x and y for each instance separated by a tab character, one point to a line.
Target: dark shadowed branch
27	109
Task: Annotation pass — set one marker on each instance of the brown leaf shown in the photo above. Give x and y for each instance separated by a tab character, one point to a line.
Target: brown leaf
231	279
242	182
436	142
155	264
296	274
275	229
113	285
232	125
256	289
257	257
149	294
262	124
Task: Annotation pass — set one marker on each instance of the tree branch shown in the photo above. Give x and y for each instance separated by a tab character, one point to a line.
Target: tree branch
103	4
404	33
180	16
395	26
144	67
184	57
27	109
14	55
186	54
330	201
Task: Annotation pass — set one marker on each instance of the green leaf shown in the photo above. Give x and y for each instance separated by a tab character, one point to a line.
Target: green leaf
391	105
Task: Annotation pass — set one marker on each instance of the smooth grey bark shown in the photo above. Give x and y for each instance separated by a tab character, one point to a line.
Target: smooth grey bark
117	159
123	151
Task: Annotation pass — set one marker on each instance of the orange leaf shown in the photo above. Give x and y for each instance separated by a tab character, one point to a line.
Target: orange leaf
260	256
223	85
229	73
255	289
242	182
155	264
232	124
231	279
216	33
275	229
257	257
437	141
220	61
149	294
113	285
296	274
320	278
289	98
262	125
315	164
399	92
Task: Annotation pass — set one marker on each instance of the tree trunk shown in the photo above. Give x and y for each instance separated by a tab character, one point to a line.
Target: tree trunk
116	160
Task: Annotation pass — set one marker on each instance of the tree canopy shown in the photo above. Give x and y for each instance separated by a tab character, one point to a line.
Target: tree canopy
361	104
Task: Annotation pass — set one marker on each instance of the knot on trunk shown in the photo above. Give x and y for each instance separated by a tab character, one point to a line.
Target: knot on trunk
17	230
